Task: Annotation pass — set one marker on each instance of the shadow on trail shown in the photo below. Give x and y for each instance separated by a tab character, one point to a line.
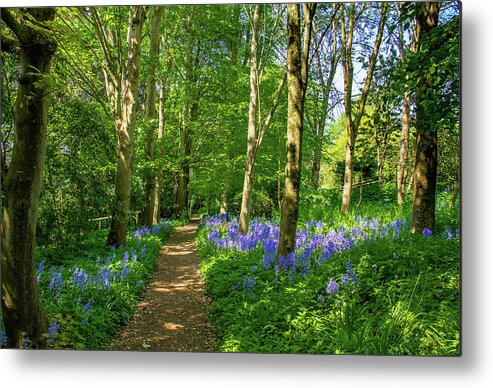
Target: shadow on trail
172	316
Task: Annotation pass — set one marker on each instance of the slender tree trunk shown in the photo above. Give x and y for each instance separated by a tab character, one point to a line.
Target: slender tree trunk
255	138
347	68
184	174
150	178
317	158
406	120
348	170
297	73
22	310
234	43
252	126
404	149
119	220
352	124
189	114
425	173
326	86
160	133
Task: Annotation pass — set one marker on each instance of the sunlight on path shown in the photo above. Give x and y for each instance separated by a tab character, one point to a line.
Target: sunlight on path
172	314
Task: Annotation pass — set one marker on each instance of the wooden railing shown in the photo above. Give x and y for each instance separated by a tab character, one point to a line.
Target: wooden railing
100	219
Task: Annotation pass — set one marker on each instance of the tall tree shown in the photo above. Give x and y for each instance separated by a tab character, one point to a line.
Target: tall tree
122	82
297	69
252	122
189	110
353	121
326	55
405	115
425	165
151	200
22	310
255	137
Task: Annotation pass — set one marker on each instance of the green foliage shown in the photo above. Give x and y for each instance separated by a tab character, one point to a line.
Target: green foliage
92	291
406	301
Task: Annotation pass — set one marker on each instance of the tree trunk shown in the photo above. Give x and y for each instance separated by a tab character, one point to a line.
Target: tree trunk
348	172
160	133
119	220
150	178
297	74
22	310
352	124
252	126
347	68
326	86
184	174
404	149
406	119
317	157
425	173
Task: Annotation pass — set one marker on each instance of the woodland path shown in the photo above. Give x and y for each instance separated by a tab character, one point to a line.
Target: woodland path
172	314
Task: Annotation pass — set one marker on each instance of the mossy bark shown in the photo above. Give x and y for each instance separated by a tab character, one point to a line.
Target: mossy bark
425	166
22	310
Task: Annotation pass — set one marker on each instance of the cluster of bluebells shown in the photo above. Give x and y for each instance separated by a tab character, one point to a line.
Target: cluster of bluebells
248	284
146	231
78	279
314	243
448	234
78	282
52	330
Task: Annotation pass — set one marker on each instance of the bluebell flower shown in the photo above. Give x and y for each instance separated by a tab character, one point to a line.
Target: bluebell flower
87	307
124	272
52	330
41	267
249	283
332	287
427	232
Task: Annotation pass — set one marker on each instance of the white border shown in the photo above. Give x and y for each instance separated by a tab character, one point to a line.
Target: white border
473	369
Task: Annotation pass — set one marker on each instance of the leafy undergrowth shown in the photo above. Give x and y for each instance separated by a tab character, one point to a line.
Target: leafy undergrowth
89	296
372	288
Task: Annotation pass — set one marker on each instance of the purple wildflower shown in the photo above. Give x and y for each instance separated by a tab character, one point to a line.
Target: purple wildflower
332	287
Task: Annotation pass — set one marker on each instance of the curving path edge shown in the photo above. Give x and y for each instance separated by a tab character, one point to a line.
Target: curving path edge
172	315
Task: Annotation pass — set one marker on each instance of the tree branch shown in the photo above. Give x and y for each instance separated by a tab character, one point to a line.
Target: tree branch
19	30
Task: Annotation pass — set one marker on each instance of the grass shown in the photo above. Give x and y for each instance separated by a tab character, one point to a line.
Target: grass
399	295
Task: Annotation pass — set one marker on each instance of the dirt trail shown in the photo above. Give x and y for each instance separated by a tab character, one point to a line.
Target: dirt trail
172	314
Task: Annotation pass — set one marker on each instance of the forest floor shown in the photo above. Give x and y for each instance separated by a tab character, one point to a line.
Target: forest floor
172	315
